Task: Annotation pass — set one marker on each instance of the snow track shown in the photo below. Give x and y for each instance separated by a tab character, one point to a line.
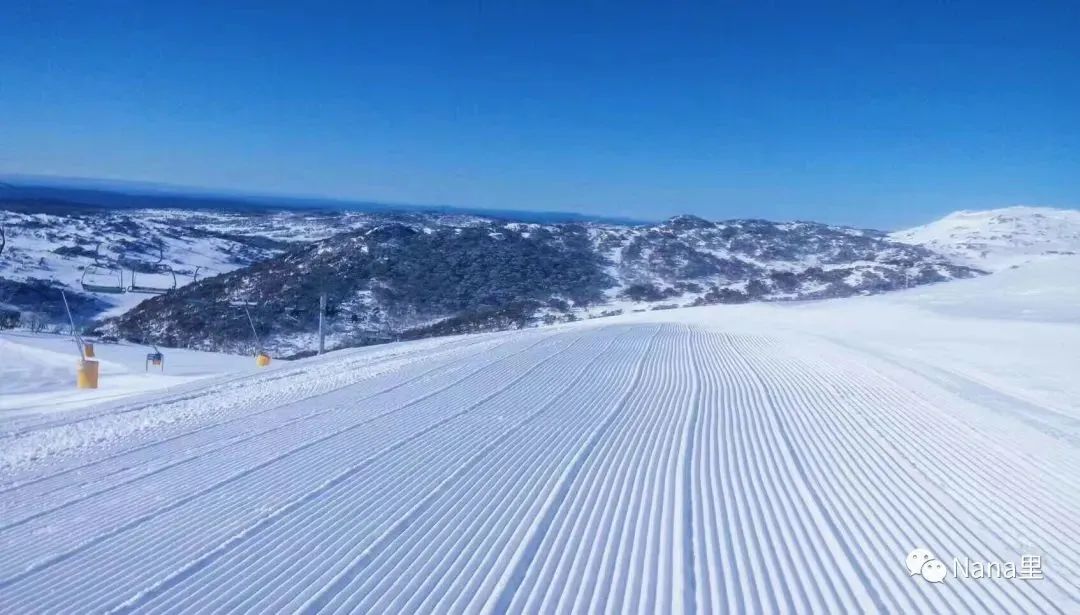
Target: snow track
622	468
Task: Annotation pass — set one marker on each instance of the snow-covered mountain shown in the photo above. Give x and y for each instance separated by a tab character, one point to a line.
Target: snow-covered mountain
758	458
998	239
764	457
89	251
423	277
696	261
392	274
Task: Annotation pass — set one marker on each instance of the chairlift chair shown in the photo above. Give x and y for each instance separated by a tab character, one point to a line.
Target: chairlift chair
98	274
161	269
150	289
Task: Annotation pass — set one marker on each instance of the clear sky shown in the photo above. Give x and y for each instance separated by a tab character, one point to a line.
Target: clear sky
869	113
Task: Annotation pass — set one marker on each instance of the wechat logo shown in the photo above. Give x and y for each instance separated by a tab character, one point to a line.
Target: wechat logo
921	562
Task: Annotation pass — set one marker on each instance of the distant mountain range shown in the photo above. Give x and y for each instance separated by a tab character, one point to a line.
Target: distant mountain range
42	194
183	276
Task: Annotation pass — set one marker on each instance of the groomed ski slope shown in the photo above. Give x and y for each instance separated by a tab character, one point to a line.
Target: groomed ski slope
712	460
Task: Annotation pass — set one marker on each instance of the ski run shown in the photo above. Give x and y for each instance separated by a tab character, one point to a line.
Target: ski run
730	459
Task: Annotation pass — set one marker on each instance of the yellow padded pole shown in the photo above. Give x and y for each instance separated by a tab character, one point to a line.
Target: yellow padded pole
86	374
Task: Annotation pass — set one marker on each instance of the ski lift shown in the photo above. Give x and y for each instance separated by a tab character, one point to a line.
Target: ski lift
161	287
98	279
200	273
162	274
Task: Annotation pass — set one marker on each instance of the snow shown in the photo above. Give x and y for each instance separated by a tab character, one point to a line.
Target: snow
997	239
1044	290
751	458
190	241
37	373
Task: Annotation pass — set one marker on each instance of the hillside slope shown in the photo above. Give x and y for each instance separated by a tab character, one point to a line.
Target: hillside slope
38	372
761	458
998	239
415	279
60	245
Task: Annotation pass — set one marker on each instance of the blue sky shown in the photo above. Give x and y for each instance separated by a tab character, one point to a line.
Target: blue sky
865	113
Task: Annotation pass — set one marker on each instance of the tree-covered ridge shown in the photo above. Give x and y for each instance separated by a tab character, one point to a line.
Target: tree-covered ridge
415	277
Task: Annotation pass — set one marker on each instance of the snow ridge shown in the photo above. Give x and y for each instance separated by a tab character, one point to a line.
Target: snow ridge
998	239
